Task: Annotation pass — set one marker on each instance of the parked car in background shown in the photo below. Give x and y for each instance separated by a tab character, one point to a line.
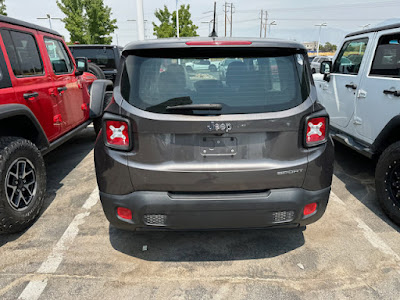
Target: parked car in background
44	101
197	152
316	63
201	64
103	59
361	92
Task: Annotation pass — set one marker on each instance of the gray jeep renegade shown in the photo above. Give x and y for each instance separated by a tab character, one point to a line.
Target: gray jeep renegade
182	147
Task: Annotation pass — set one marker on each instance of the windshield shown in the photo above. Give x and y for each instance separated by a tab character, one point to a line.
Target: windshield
238	85
103	57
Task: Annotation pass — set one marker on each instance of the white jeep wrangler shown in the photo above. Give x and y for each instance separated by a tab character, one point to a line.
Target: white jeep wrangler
360	89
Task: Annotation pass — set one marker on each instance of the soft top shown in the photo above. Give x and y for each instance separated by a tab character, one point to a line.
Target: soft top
181	43
374	29
13	21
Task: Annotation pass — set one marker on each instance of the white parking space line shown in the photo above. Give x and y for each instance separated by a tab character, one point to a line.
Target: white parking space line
36	287
370	235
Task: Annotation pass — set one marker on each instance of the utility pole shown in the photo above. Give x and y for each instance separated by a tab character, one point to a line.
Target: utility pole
140	19
225	5
265	25
261	24
231	17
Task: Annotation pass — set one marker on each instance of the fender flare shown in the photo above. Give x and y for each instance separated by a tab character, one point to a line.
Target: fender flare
97	93
387	136
14	110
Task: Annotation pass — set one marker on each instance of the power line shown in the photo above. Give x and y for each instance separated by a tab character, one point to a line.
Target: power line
358	5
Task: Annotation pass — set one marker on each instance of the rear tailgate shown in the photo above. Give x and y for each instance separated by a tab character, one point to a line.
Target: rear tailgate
180	153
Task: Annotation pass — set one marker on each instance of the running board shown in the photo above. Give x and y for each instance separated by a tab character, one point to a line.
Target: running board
348	141
65	137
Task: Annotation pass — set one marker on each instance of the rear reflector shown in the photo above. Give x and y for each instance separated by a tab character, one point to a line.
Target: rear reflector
316	131
218	43
124	213
117	133
310	209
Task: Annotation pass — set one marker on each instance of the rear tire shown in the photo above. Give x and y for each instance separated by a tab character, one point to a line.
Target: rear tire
313	70
387	181
96	71
212	68
97	123
22	183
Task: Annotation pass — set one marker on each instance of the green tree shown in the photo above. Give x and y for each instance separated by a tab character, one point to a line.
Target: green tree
167	27
99	22
328	47
88	21
3	8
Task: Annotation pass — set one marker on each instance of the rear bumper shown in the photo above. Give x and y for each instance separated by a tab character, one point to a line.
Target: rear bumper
162	210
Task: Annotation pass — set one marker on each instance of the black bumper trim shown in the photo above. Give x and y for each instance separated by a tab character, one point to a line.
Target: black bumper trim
224	212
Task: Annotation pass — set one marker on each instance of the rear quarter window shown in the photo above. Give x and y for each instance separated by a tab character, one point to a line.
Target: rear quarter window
23	53
255	84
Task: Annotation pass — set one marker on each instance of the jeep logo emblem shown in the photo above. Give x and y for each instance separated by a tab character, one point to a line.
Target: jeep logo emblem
219	127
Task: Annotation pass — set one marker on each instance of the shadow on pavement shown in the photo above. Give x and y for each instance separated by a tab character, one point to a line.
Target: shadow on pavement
358	174
59	163
206	245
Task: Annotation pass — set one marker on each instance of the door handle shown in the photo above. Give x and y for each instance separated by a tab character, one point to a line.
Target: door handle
62	89
31	96
394	93
351	86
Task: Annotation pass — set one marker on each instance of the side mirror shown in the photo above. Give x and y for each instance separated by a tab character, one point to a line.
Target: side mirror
82	65
326	67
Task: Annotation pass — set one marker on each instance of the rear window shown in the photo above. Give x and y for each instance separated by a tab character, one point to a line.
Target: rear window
240	84
103	57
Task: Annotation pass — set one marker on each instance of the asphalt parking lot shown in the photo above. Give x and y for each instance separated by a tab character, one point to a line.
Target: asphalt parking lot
71	252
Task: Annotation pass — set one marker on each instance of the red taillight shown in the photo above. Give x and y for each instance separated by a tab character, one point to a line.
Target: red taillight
117	133
309	209
316	131
124	213
218	43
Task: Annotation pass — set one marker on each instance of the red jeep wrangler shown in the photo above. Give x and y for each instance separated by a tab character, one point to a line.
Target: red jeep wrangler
44	101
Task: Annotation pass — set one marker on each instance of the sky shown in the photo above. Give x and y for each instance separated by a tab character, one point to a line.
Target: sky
294	19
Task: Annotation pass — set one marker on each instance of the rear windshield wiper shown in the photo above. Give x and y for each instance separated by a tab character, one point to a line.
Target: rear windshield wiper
161	107
195	107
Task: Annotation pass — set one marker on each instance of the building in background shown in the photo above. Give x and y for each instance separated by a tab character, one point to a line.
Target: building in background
311	46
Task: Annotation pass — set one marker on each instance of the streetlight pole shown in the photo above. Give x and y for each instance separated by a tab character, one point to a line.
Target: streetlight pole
177	19
271	24
48	17
319	34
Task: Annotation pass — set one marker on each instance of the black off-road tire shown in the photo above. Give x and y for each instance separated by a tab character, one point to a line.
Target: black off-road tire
387	181
97	123
12	151
96	71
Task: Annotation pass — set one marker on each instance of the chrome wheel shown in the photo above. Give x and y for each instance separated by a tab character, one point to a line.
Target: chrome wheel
20	184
